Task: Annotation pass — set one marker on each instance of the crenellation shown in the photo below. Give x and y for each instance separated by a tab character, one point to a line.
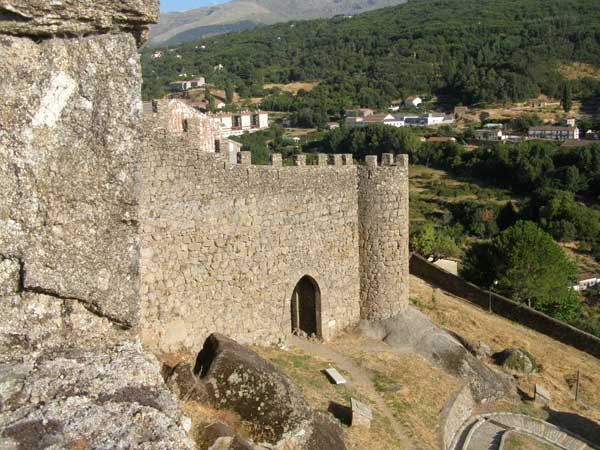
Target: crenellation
300	160
244	158
276	160
387	159
371	161
336	160
224	245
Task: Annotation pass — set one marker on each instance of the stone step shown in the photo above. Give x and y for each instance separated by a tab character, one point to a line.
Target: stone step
486	437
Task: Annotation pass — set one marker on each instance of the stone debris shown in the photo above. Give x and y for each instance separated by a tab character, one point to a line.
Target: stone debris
362	416
334	376
542	394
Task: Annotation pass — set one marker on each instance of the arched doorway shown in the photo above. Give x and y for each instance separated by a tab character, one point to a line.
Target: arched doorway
306	308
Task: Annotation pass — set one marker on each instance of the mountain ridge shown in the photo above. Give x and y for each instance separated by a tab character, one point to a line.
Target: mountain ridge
185	26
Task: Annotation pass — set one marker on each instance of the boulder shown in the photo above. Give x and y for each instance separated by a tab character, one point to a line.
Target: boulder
516	360
218	435
414	331
70	134
238	379
59	18
110	398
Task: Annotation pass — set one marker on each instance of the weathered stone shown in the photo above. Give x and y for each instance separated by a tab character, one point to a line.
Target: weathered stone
111	398
9	276
219	435
516	360
413	331
240	380
70	115
60	18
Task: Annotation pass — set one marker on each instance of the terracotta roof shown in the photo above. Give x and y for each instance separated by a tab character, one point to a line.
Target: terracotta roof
441	139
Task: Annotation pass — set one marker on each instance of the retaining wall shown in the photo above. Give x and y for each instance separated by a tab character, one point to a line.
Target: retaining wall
517	312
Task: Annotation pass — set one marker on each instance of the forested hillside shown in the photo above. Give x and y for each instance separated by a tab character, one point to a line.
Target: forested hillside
469	51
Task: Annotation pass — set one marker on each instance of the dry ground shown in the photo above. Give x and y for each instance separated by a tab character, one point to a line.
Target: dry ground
405	392
559	362
521	442
576	70
293	88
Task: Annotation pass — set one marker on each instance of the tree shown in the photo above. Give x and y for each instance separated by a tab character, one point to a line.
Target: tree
229	91
532	268
432	243
567	97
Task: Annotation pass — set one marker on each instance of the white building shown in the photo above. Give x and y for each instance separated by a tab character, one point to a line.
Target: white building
236	124
490	135
553	132
413	101
586	281
184	85
400	120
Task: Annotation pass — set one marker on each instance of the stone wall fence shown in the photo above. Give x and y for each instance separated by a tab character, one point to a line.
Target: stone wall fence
505	307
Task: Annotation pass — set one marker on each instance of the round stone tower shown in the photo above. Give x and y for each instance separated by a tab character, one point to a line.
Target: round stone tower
383	227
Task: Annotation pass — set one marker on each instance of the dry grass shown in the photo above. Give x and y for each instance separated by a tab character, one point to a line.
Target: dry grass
305	370
559	362
293	88
576	70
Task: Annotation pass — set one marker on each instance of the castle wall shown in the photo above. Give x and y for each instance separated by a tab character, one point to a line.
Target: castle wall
384	253
224	245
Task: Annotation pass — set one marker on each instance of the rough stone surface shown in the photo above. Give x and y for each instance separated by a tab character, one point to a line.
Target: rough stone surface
70	116
384	253
236	378
114	398
516	360
413	331
67	17
224	245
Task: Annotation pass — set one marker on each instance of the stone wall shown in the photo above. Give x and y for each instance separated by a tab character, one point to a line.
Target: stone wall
510	309
223	246
383	211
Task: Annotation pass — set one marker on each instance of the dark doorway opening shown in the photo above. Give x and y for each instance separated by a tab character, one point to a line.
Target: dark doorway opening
306	308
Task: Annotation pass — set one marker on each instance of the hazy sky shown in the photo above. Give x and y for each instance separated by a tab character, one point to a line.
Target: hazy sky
179	5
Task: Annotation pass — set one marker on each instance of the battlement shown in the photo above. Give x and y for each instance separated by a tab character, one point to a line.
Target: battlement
244	158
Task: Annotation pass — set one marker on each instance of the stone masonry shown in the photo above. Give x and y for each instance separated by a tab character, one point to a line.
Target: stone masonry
223	245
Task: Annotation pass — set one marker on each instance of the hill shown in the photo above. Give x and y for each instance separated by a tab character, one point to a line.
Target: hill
465	51
185	26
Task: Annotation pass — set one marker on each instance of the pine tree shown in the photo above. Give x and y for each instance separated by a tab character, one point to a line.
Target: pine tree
567	97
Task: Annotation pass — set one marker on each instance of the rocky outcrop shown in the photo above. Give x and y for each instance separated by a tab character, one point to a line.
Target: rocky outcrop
413	331
76	18
72	375
70	117
113	398
238	379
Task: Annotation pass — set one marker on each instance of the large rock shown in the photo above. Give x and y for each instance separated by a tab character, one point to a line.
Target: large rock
413	331
238	379
81	17
70	118
111	398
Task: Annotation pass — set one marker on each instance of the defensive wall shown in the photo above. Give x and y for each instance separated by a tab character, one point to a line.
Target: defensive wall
224	245
510	309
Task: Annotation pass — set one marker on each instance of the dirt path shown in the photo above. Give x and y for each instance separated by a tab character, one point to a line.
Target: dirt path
359	376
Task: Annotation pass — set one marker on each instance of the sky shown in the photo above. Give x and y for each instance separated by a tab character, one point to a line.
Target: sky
180	5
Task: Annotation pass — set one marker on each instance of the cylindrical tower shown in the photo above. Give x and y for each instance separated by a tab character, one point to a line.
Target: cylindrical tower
383	226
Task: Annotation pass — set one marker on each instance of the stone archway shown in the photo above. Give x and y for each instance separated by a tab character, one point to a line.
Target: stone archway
306	308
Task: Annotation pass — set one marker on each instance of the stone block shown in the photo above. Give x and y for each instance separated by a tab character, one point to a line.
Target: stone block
322	159
371	160
276	160
9	276
80	17
348	159
387	159
362	416
336	160
244	158
70	116
542	394
299	160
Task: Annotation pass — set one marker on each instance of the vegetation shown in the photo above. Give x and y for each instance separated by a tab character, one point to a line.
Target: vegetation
524	263
436	244
465	51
